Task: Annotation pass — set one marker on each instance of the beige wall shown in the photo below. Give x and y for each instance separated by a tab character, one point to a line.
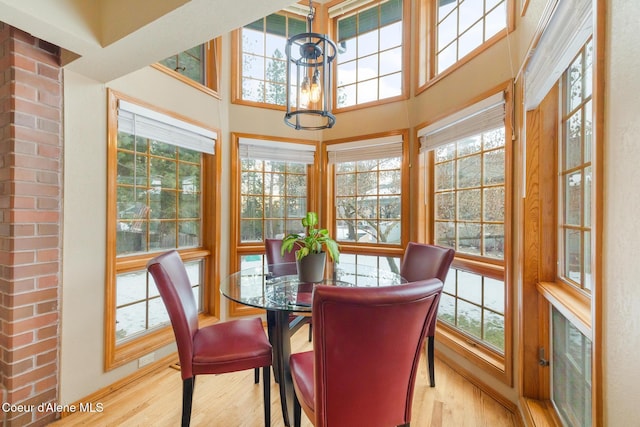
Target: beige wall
621	279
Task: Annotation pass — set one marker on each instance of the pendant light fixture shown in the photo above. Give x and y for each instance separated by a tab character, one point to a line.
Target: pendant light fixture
309	59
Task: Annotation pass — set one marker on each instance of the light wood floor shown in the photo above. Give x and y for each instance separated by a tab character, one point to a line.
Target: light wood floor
233	400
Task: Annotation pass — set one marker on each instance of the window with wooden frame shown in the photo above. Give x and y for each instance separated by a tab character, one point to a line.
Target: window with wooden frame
372	38
157	201
466	159
273	187
452	32
259	60
367	199
198	67
563	104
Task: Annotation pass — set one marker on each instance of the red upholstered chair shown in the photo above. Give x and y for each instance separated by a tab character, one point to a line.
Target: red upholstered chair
231	346
366	348
421	262
284	265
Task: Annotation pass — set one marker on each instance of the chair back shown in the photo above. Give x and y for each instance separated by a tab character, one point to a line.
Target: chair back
422	261
278	264
170	275
367	345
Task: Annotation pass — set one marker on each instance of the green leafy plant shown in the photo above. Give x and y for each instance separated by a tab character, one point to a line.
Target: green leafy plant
314	241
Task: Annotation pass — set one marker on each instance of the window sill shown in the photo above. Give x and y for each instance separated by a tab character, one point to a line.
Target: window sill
570	303
538	413
132	350
484	359
186	80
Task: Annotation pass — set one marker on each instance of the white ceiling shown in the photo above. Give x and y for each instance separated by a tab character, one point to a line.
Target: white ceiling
106	39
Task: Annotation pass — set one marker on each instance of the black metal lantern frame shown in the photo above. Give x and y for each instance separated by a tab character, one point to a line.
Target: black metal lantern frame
309	59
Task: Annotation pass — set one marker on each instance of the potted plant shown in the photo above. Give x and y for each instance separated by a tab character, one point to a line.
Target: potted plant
311	249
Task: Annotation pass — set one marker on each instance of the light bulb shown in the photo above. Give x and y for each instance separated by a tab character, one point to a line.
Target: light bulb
305	93
316	88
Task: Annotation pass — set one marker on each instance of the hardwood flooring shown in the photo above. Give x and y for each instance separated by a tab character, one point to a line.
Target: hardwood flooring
233	400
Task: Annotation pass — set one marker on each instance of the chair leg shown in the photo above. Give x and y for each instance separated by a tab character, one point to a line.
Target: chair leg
310	331
297	411
266	390
188	386
256	375
431	362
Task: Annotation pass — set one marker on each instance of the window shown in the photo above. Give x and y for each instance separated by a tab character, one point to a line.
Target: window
466	156
273	187
571	371
261	59
370	52
457	29
575	172
561	256
198	66
156	196
367	200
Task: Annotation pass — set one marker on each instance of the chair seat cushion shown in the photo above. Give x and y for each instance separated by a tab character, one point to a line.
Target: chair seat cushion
302	372
231	346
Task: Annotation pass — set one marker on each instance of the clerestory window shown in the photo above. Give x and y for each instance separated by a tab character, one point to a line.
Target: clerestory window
371	50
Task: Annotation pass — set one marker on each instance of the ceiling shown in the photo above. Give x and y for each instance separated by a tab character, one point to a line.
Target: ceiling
107	39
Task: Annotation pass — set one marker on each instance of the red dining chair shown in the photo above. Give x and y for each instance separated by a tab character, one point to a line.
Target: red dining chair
231	346
420	262
284	265
366	350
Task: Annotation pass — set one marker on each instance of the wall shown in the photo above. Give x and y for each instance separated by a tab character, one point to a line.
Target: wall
621	330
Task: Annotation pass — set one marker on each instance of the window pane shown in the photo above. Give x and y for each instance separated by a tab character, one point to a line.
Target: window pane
571	372
373	38
368	203
469	201
273	196
575	172
262	60
474	304
463	26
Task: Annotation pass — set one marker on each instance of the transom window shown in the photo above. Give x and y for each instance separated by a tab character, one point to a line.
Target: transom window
197	66
461	26
190	63
370	52
575	172
262	58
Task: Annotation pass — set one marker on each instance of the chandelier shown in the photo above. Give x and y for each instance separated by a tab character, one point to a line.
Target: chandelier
309	58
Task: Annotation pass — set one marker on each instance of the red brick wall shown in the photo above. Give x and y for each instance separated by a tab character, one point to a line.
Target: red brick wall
30	224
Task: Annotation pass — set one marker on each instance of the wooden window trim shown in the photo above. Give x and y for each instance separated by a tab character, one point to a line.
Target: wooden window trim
486	359
424	71
541	288
118	355
394	250
406	45
238	249
213	53
236	60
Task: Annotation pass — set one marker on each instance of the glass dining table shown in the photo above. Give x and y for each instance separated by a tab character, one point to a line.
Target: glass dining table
284	295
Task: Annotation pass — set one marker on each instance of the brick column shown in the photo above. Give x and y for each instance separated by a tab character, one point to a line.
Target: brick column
30	224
